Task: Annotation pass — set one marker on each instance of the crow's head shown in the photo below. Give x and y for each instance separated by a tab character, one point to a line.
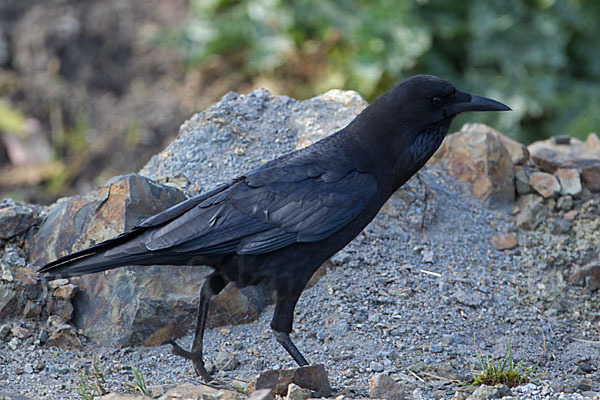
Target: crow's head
424	100
403	127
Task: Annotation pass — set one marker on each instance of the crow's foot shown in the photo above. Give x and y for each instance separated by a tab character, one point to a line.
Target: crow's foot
194	357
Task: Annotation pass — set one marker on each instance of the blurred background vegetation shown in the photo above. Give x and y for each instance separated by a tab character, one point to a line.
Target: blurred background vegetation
155	63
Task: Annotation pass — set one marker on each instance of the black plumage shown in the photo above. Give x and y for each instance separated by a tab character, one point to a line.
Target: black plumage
277	224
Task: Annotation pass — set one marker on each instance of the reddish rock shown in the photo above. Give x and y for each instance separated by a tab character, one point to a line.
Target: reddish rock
588	276
64	337
56	283
313	377
570	182
590	175
477	155
25	275
518	152
31	309
151	304
231	307
20	332
66	292
545	184
571	215
78	222
384	387
503	241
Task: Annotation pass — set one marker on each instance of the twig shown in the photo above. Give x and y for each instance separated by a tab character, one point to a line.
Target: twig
416	376
431	273
587	341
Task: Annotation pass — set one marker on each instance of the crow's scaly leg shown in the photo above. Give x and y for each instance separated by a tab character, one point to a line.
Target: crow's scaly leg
283	319
210	288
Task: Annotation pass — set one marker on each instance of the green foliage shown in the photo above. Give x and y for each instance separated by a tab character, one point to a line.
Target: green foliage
82	387
94	379
140	382
536	55
11	120
503	371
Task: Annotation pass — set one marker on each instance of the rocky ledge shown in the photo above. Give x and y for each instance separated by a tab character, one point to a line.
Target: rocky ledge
493	241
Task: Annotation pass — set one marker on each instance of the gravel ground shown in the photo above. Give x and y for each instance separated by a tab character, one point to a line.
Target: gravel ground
414	303
416	295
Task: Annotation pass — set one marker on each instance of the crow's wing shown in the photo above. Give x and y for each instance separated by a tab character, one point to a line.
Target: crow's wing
264	211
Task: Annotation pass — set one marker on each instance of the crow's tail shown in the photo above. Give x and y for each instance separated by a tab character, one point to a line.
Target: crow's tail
101	257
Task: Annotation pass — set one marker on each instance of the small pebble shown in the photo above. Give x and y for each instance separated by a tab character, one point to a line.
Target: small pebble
377	367
436	348
38	365
14	343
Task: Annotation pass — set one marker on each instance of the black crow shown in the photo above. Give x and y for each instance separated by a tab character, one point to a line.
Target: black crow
278	223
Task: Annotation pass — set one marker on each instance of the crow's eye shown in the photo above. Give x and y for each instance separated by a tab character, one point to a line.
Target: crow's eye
437	101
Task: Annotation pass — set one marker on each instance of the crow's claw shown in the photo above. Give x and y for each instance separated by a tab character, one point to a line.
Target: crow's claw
195	358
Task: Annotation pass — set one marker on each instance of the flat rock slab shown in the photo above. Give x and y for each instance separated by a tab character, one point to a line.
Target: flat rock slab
312	377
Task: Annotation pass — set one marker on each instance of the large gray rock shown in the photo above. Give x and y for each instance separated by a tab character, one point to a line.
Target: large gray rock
240	132
119	306
16	217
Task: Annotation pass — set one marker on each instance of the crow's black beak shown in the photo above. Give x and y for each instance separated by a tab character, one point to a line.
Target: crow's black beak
470	102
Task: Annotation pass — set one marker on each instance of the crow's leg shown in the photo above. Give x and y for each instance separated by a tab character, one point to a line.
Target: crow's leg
283	319
210	287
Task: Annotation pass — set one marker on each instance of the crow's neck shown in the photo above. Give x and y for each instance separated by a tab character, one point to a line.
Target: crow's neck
393	154
412	157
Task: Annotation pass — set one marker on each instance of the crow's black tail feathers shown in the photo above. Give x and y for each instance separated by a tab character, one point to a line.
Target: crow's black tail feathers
92	259
100	257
